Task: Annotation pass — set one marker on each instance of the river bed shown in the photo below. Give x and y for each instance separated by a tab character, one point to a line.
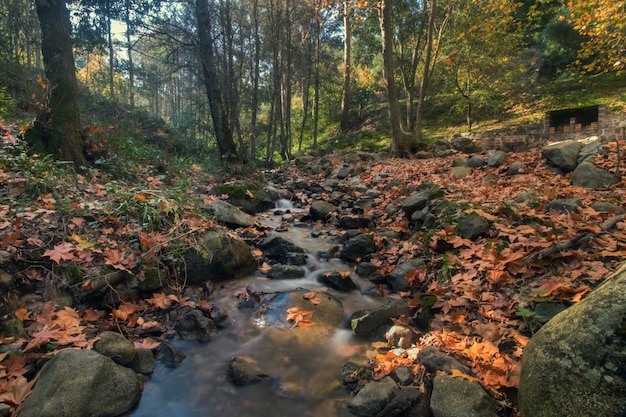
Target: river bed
305	378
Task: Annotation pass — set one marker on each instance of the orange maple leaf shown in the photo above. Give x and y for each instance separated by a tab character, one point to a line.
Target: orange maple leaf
62	251
313	297
300	318
162	301
16	391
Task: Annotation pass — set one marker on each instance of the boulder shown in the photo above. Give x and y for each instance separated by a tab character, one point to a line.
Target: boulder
280	271
564	205
373	397
463	144
243	370
116	347
218	256
416	202
251	196
337	281
321	210
358	248
282	250
365	322
562	155
589	175
397	278
230	215
196	326
434	360
496	159
476	161
575	365
458	396
82	383
473	226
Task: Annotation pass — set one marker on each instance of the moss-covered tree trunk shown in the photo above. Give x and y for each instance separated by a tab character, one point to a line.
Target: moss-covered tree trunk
58	131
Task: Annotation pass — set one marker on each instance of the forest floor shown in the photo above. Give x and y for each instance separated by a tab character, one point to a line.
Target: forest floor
61	232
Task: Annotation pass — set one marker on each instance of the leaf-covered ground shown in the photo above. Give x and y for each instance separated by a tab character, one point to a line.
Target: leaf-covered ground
66	233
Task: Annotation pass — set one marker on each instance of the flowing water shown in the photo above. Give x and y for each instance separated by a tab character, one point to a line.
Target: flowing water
305	378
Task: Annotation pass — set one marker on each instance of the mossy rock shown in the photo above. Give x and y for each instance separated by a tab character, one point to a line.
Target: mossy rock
250	196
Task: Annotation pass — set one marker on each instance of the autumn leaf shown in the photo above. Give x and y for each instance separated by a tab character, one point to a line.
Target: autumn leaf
16	391
313	297
162	301
460	374
68	317
147	343
22	314
62	251
80	242
300	318
124	310
42	337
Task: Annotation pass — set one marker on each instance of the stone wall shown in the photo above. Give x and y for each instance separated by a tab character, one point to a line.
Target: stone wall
609	127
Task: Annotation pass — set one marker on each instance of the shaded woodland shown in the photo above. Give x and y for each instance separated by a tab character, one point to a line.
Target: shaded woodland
264	79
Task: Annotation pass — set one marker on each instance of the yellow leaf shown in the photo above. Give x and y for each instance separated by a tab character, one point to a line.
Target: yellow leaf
81	243
459	374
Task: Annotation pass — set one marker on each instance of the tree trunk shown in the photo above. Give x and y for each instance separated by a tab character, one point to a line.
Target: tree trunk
131	65
426	75
60	133
223	131
111	54
345	95
255	79
316	76
402	143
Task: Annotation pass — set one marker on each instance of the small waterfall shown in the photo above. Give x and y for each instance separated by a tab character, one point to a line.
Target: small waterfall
283	203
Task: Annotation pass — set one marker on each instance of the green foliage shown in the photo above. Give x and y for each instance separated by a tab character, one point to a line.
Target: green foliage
7	104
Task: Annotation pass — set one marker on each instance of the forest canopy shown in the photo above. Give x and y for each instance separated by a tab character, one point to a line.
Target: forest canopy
264	79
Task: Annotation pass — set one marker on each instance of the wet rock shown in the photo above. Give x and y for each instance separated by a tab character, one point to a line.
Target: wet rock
170	356
280	249
337	281
373	397
496	159
116	347
280	271
402	375
322	210
365	322
565	205
228	214
144	362
575	364
354	222
217	257
243	370
196	326
397	278
220	317
250	196
327	312
473	226
79	383
562	155
359	247
434	360
408	402
590	176
457	396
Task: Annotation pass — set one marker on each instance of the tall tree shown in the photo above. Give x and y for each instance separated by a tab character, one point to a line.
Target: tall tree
402	143
223	131
59	131
347	68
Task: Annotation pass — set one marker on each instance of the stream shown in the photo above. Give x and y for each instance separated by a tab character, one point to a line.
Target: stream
305	378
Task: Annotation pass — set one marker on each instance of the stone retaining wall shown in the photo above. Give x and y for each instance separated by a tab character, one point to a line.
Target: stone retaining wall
609	127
